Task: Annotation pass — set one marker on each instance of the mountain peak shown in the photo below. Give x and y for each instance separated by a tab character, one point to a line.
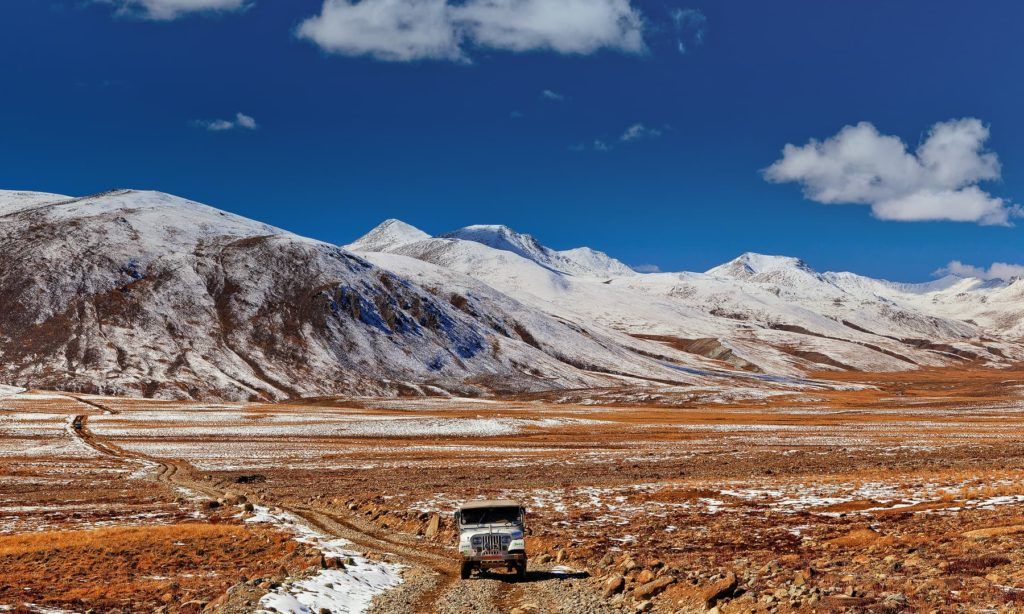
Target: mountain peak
581	261
389	234
752	263
501	237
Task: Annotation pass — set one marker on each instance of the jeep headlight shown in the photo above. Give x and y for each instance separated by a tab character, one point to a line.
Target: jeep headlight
477	541
505	539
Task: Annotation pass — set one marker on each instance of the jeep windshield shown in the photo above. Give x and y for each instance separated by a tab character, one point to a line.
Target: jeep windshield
491	515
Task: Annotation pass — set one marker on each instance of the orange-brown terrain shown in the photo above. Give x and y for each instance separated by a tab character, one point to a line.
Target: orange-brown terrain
898	492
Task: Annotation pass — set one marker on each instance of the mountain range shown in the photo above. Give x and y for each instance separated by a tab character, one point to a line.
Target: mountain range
135	292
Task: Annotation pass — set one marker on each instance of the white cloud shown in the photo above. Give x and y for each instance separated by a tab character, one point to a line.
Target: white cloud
596	145
997	270
245	121
165	10
632	134
240	122
392	30
691	27
639	131
551	95
406	30
937	181
562	26
646	268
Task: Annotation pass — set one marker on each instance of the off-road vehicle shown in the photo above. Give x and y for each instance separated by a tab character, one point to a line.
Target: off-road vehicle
491	534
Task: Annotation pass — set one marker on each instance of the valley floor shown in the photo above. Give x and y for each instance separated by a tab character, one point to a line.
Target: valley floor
895	492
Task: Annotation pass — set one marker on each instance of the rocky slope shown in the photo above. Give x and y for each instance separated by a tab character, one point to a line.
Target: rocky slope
131	292
146	293
761	313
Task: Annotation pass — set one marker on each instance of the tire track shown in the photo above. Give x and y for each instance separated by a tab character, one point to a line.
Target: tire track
182	474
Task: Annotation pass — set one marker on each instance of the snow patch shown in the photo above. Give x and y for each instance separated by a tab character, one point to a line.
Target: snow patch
345	591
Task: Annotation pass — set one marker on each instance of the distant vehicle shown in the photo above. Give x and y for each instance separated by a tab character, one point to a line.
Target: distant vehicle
491	534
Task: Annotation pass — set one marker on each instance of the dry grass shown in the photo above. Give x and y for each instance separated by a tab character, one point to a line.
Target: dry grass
976	566
138	568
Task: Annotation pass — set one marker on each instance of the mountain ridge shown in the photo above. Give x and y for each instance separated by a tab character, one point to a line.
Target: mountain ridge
141	292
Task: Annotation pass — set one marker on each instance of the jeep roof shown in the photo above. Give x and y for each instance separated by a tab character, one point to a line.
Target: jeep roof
473	505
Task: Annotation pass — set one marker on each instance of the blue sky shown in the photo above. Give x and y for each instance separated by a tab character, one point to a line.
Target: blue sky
353	126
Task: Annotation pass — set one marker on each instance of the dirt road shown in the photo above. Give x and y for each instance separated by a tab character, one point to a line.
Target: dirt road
431	579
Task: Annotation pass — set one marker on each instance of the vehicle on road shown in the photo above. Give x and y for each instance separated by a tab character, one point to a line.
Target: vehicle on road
492	535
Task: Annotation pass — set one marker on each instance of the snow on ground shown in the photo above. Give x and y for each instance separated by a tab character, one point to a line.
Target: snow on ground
38	435
160	424
37	609
341	591
6	391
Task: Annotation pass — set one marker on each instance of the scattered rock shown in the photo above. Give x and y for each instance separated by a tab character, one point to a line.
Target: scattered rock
652	588
433	526
721	589
614	584
860	538
980	534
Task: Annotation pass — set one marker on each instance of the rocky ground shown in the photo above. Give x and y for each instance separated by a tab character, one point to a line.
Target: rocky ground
900	493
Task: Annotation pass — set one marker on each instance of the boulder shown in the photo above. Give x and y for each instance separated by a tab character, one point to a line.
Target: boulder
860	538
721	589
980	534
614	584
433	526
652	588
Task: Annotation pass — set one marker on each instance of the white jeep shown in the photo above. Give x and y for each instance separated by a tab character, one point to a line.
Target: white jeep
491	534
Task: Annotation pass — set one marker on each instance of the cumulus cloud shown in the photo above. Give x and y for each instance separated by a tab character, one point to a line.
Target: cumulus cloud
240	122
639	131
937	181
996	270
551	95
407	30
646	268
166	10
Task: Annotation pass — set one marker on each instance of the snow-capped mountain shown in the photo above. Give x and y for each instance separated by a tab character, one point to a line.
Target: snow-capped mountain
751	265
147	293
582	261
389	235
757	312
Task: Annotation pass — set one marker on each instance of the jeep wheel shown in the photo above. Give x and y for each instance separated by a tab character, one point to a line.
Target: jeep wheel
467	569
521	571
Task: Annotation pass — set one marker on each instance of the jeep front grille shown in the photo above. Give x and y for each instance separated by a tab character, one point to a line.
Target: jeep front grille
491	544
